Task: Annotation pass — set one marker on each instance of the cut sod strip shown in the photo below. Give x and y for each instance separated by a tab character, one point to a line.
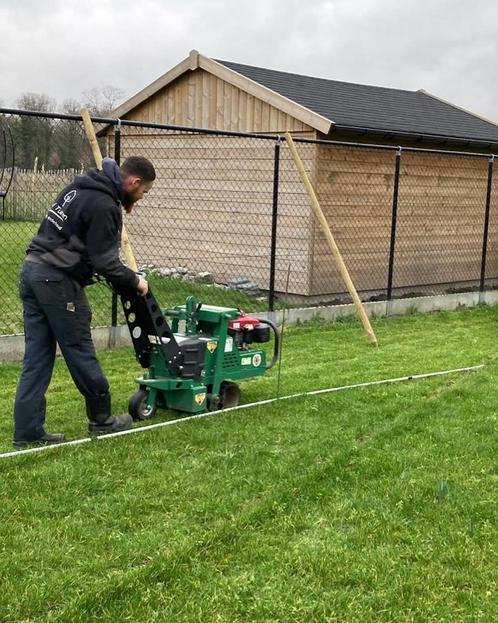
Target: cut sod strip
188	418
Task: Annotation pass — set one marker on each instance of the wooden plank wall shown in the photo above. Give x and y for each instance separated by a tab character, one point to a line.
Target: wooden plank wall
440	218
219	190
211	205
354	188
492	250
439	226
199	99
210	209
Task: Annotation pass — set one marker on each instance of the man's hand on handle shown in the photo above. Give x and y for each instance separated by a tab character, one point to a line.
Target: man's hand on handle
142	286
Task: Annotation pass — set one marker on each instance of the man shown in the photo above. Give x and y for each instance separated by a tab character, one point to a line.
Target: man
78	237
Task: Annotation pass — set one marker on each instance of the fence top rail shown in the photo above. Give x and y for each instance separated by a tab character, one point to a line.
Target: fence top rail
139	124
24	170
272	137
53	115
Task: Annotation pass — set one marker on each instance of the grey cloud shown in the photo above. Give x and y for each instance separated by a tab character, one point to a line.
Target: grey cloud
60	48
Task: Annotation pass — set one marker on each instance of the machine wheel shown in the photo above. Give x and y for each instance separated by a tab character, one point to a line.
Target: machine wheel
138	408
229	395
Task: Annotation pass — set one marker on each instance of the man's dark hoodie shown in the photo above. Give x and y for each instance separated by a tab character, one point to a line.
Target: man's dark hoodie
82	230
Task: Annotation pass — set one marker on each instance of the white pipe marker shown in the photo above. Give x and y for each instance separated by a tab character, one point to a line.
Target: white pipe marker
316	392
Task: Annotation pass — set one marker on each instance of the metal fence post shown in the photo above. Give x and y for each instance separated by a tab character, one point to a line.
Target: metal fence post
394	219
274	220
117	158
486	224
3	167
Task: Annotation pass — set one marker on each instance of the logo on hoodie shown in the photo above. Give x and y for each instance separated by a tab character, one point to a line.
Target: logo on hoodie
68	197
59	210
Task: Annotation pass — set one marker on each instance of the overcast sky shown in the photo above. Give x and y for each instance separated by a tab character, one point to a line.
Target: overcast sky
61	47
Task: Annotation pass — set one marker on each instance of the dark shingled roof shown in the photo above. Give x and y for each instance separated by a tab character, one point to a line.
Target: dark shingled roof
359	106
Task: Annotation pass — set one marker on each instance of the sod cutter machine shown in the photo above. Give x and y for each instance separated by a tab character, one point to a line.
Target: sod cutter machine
193	364
193	368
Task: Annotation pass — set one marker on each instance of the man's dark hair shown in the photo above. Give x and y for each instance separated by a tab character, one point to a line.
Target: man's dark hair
139	166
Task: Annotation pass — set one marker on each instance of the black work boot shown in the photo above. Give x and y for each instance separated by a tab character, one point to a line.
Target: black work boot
45	439
101	422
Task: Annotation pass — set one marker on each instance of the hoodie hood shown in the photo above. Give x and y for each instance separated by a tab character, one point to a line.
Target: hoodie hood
111	169
108	180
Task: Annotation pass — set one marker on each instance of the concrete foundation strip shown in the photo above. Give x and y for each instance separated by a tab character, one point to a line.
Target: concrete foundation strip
246	406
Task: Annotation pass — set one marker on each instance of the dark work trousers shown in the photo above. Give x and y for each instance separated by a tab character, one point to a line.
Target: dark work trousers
55	310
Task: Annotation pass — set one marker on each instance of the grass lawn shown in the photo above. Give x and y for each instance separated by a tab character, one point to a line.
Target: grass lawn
369	505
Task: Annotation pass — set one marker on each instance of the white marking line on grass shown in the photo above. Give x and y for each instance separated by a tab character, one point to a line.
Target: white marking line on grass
316	392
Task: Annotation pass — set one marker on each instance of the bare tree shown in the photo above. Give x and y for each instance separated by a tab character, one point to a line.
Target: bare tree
71	107
69	146
33	135
58	143
38	102
101	101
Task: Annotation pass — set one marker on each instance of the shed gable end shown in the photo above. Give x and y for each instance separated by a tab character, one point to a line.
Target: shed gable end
202	100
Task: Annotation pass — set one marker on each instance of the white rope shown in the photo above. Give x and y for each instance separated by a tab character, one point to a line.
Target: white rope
246	406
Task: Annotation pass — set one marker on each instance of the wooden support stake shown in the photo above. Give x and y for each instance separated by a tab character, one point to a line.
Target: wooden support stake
92	139
330	240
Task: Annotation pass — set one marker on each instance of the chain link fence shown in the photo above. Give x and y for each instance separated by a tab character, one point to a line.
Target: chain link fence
229	220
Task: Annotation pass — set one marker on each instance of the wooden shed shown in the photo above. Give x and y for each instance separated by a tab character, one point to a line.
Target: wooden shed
211	206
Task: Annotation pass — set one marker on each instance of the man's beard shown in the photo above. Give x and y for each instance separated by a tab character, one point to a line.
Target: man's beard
128	203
